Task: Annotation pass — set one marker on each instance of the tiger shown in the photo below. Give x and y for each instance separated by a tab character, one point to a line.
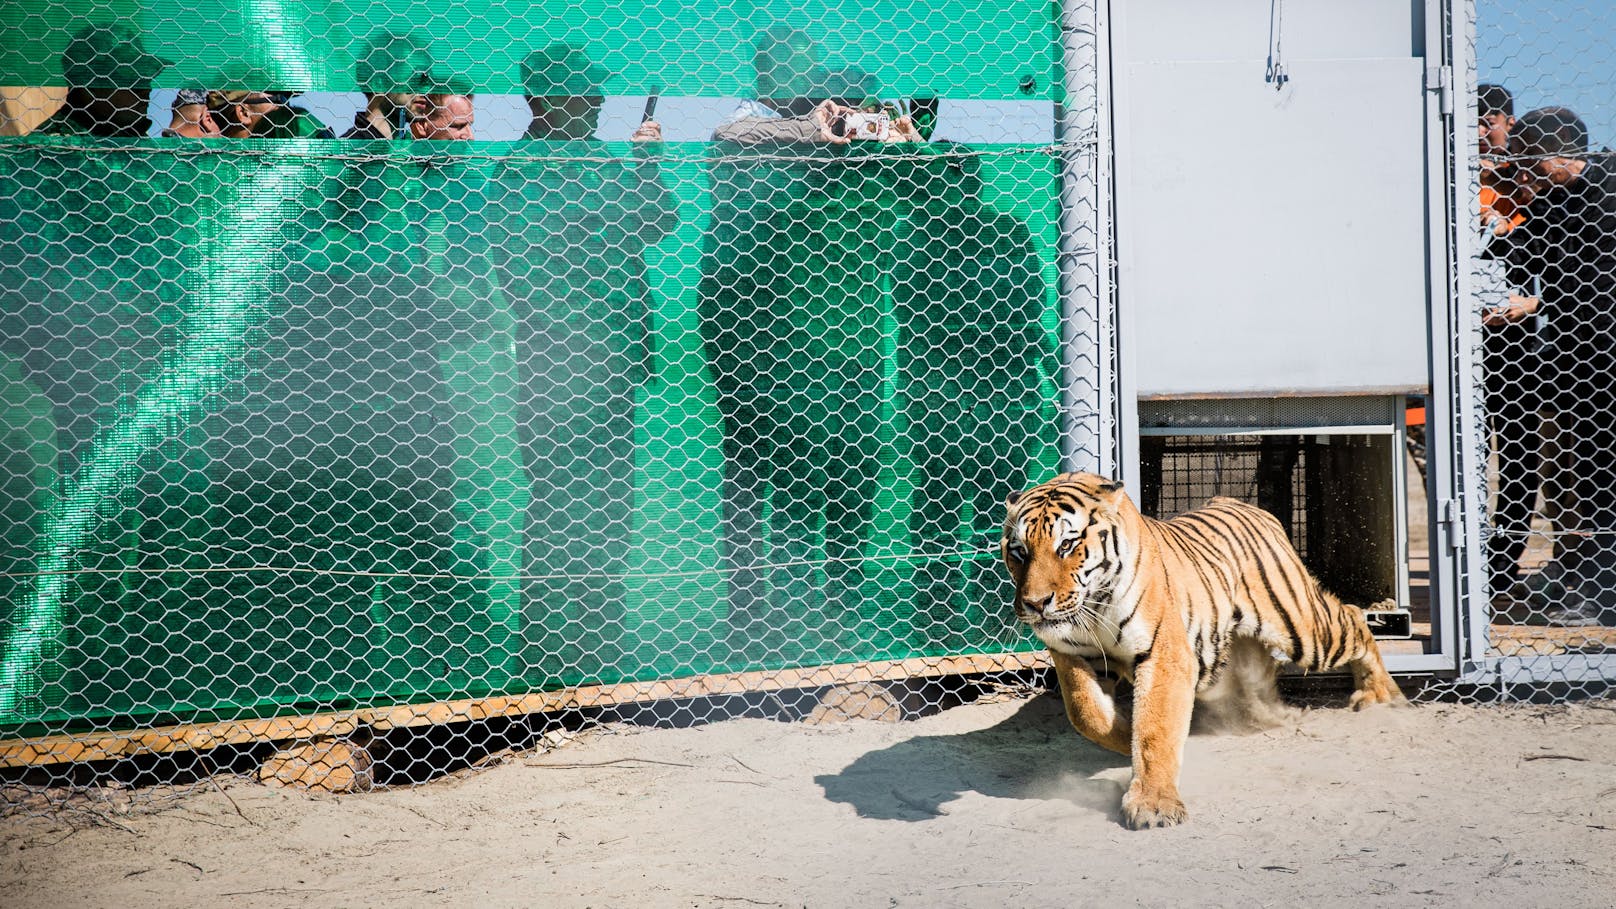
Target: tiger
1198	609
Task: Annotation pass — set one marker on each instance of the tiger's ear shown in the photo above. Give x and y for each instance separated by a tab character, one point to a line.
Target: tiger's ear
1013	498
1112	493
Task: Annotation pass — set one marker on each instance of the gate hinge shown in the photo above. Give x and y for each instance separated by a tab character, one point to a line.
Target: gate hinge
1440	79
1448	519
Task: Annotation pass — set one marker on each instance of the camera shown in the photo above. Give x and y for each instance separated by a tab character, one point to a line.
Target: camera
875	126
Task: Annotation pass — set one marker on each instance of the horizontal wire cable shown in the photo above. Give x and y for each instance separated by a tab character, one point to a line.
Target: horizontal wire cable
452	576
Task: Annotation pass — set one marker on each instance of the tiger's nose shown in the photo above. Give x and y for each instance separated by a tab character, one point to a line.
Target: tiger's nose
1039	604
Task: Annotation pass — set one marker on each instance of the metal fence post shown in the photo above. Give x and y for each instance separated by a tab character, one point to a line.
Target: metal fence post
1085	353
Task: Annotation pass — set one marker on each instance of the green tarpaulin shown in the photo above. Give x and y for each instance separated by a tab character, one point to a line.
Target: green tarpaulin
990	49
312	426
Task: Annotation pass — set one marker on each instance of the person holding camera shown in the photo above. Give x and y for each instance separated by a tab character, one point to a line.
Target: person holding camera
798	101
794	299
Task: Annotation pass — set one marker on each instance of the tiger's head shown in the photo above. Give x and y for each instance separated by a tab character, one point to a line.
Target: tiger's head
1065	544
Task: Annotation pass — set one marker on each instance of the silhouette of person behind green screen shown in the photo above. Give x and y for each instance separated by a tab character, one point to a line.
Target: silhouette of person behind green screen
973	360
577	220
794	294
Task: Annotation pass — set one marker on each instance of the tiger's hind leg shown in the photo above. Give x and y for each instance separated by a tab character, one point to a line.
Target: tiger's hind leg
1372	683
1245	697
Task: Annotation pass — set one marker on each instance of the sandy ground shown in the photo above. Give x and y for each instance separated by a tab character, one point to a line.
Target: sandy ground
989	804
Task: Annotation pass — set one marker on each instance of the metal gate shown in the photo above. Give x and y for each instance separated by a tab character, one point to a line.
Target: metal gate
1531	363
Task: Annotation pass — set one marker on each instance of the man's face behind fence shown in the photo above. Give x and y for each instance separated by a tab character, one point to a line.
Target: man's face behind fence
1492	131
1551	147
443	118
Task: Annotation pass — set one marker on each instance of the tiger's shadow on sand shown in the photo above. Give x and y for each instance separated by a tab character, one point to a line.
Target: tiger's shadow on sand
1032	754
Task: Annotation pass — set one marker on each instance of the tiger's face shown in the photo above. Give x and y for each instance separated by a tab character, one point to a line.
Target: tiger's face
1061	545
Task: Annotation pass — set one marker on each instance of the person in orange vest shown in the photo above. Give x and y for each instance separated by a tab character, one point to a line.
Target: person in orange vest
1510	345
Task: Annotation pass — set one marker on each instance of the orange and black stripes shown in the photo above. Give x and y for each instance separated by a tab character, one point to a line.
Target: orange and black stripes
1227	566
1270	588
1196	608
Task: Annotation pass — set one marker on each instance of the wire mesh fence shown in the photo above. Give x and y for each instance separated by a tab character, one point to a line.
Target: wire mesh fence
472	417
1543	603
631	356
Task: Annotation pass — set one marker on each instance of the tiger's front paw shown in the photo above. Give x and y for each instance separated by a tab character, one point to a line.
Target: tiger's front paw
1142	809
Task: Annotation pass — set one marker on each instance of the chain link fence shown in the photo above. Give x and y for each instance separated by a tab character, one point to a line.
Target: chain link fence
1536	278
601	370
606	364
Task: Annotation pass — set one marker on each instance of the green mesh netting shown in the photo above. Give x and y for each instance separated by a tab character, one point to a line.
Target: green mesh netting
324	423
953	48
